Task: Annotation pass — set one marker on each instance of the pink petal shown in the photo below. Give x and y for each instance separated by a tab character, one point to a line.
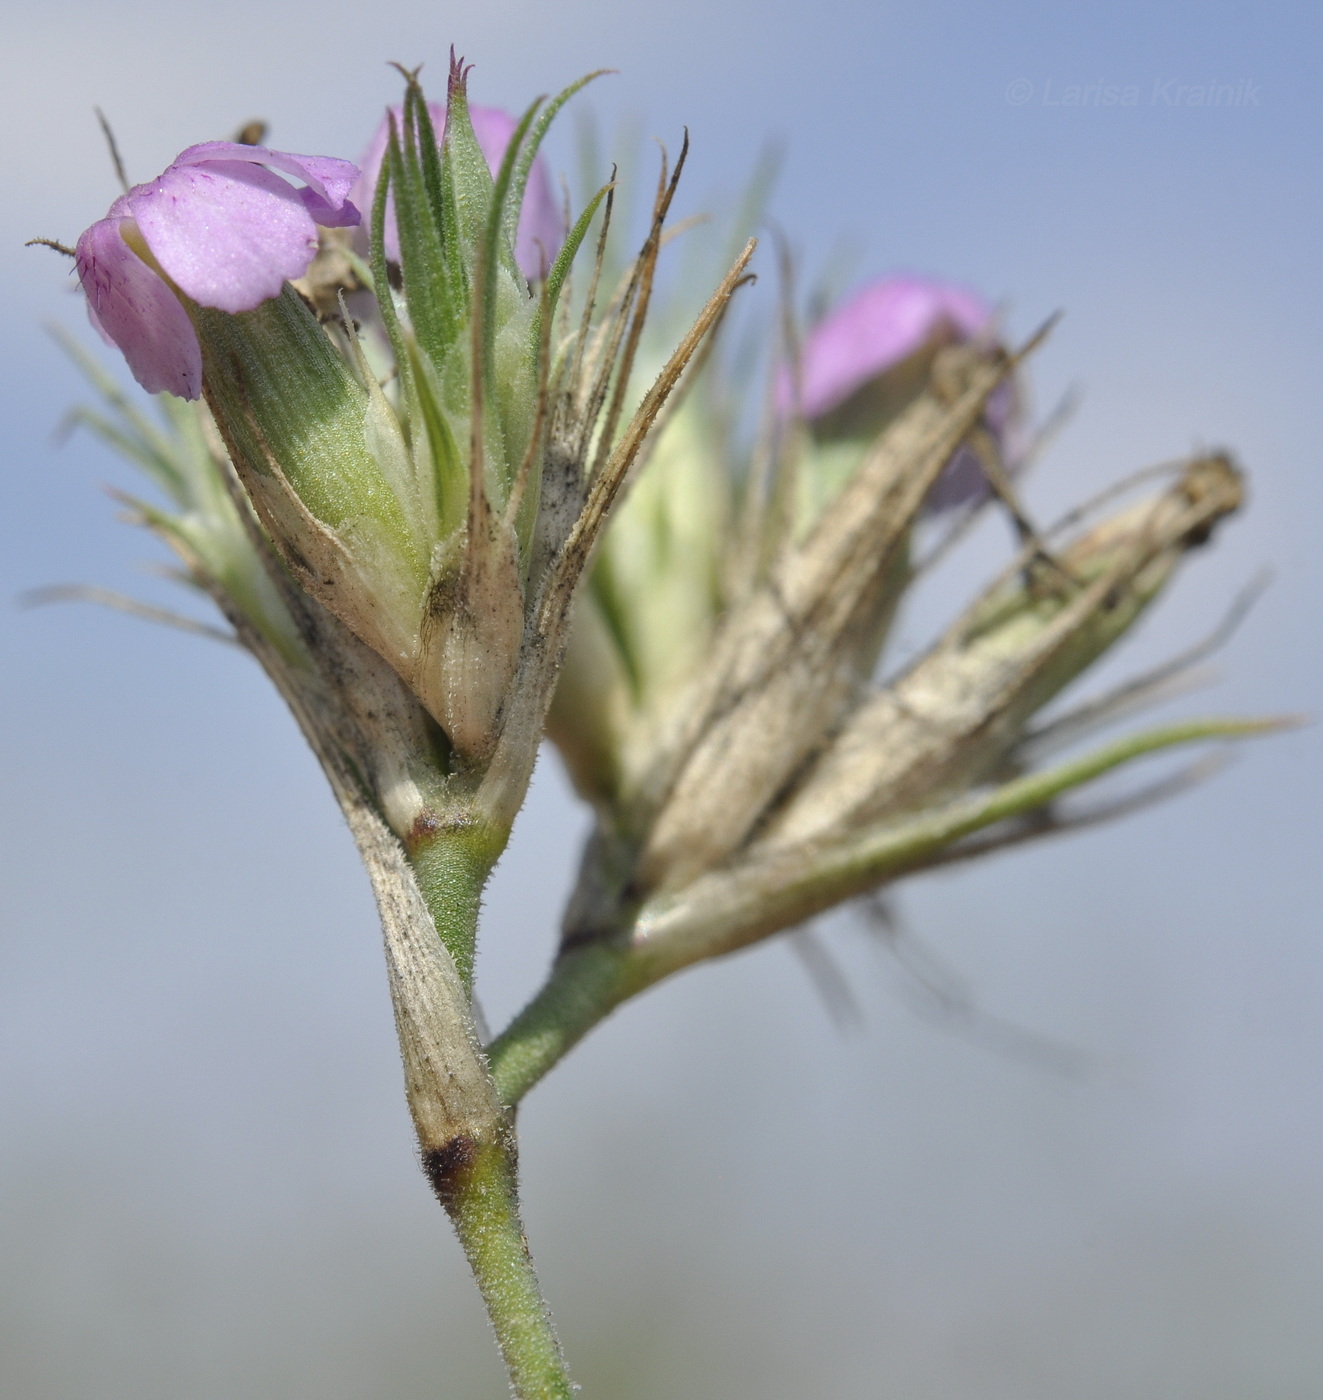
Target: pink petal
329	178
98	327
879	326
493	126
541	225
371	161
136	310
369	172
230	233
344	215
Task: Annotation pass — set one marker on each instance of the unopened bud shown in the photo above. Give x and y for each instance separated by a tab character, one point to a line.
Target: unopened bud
645	620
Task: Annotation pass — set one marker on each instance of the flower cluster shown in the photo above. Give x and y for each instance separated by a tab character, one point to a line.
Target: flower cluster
680	553
715	702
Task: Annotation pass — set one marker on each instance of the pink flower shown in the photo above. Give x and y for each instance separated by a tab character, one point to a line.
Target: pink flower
540	223
224	230
882	324
870	342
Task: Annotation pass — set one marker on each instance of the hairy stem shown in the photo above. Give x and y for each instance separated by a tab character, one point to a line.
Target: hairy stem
584	986
452	868
481	1197
730	908
466	1137
428	871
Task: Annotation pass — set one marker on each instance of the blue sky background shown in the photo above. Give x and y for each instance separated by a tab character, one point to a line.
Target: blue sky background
206	1181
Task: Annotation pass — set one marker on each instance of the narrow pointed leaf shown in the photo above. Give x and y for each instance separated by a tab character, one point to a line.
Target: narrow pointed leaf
503	218
455	294
381	280
452	478
528	151
420	248
560	269
466	172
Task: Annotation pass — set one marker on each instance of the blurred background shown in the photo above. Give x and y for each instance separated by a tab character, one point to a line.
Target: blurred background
207	1184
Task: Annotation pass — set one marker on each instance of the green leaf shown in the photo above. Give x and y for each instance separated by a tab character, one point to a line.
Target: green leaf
381	281
421	256
465	172
498	244
529	149
561	267
452	477
497	252
443	211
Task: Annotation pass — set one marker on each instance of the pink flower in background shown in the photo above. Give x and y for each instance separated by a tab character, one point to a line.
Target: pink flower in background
225	231
884	323
872	339
540	223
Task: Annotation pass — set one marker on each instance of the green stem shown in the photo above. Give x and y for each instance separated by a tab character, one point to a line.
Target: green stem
584	986
481	1197
465	1135
452	867
728	909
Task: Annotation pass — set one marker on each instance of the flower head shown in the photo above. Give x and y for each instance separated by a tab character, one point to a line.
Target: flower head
217	226
444	509
541	227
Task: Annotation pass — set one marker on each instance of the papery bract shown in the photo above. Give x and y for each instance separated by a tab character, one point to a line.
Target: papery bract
224	230
541	226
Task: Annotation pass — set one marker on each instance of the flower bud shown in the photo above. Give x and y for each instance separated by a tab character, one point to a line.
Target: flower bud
644	623
863	363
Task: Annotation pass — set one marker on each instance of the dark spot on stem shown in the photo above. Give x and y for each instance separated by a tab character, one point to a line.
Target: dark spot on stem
421	831
445	1165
